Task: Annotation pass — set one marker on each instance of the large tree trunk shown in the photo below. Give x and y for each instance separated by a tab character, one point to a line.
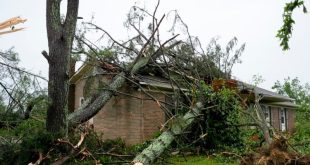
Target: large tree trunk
262	121
60	36
154	150
71	93
94	104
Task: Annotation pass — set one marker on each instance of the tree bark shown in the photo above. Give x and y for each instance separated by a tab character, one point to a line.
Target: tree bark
60	36
94	104
154	150
71	93
262	121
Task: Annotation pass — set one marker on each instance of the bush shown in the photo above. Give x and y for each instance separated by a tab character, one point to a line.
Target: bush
301	138
220	117
217	128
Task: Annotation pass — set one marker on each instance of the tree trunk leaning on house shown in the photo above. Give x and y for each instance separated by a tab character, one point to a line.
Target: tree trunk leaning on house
60	36
148	155
94	104
262	121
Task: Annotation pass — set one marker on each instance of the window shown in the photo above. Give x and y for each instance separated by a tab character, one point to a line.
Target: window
267	113
283	119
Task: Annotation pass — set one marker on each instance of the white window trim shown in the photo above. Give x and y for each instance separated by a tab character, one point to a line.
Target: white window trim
283	113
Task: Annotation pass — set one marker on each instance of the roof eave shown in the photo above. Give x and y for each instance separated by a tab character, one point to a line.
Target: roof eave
82	71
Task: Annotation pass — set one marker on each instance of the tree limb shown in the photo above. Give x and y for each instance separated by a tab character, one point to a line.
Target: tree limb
10	95
121	45
45	54
21	70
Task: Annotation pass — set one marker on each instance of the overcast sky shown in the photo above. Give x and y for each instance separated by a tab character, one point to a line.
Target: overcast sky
252	22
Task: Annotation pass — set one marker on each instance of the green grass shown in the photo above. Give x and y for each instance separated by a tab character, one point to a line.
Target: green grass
198	160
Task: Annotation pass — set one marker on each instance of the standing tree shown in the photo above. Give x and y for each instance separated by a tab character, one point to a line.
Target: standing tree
294	89
60	36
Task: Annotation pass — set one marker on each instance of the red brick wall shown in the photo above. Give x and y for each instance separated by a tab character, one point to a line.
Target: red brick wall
291	120
153	116
132	119
78	93
136	120
275	115
121	117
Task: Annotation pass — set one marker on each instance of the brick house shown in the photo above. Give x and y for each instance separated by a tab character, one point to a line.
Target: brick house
279	110
130	114
135	117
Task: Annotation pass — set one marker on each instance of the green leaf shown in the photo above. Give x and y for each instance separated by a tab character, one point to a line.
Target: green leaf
304	9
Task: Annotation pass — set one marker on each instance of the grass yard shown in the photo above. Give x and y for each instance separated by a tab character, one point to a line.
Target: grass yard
197	160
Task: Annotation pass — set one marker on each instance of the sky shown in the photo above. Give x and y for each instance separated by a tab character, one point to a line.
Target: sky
253	22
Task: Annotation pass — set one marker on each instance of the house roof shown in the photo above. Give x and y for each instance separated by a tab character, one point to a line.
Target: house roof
82	71
158	82
86	70
285	104
154	81
266	94
269	97
161	83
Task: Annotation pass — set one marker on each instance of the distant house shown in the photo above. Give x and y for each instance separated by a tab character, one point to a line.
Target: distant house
135	117
279	110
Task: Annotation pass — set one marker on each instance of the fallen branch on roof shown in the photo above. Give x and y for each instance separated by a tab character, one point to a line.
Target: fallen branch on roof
94	104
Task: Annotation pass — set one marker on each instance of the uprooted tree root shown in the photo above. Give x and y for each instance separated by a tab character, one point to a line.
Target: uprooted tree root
277	153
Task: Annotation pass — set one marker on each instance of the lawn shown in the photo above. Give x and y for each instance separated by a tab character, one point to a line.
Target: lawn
197	160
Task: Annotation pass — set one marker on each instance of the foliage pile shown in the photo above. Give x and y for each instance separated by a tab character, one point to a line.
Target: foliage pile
37	145
217	127
23	139
222	118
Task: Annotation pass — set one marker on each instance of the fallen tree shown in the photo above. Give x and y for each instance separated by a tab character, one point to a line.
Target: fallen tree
178	57
155	149
94	104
